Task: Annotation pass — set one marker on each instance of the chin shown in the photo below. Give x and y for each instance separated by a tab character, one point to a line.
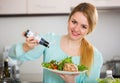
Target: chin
75	37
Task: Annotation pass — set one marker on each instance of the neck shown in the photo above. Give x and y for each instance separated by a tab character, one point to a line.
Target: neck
72	43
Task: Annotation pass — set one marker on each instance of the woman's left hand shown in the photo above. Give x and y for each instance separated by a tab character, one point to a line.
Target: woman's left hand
68	78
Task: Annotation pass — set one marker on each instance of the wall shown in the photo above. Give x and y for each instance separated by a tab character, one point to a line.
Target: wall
11	29
105	37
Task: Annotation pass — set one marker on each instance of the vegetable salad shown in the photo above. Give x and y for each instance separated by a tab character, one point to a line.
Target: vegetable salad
53	64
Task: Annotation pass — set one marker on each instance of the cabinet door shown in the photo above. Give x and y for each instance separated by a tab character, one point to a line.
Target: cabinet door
98	3
48	6
12	6
106	3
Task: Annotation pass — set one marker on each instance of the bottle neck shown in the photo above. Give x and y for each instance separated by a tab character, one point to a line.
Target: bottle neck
5	64
109	76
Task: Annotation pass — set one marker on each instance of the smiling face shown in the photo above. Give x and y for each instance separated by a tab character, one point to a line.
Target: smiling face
78	26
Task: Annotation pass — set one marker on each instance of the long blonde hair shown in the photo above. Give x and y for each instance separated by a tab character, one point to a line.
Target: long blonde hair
86	49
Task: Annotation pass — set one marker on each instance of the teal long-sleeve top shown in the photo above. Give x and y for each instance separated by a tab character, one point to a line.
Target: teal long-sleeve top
54	52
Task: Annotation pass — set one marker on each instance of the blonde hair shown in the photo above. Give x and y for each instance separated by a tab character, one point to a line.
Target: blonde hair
86	49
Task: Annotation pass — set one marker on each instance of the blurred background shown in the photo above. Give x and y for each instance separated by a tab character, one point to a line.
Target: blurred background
47	16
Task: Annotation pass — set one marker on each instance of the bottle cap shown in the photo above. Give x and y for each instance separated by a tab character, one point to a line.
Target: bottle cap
109	72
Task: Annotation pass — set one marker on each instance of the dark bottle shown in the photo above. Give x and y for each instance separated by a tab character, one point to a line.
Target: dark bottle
6	72
41	41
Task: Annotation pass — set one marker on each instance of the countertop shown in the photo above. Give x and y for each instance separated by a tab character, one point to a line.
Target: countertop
31	78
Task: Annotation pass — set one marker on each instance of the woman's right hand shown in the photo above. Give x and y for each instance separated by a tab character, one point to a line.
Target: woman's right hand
30	43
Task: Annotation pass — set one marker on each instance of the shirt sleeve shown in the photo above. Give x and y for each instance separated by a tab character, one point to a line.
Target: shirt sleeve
17	52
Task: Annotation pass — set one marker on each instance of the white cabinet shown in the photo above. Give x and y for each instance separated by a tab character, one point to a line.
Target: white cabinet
98	3
64	6
105	3
49	6
12	6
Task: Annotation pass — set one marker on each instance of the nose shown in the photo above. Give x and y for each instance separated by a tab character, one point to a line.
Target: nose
77	28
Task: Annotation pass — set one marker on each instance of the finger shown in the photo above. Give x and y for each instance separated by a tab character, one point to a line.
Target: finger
23	34
30	39
62	76
76	74
35	43
30	45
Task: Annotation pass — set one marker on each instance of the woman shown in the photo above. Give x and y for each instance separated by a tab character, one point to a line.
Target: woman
81	22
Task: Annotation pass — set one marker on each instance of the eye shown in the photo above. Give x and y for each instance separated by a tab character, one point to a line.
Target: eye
74	22
84	26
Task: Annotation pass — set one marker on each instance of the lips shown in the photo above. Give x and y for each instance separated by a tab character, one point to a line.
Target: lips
75	34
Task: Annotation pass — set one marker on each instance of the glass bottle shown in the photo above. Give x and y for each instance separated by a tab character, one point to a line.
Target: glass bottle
41	41
109	78
6	72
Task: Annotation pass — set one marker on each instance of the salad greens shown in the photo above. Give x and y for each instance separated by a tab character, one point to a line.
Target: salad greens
62	63
82	67
107	80
53	64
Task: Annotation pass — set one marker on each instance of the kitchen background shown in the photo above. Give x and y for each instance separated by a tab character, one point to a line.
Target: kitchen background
105	37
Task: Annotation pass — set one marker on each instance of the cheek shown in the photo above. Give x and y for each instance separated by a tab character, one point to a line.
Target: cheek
69	26
84	32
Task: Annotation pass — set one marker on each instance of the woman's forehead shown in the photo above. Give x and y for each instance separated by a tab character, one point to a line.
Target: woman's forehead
80	17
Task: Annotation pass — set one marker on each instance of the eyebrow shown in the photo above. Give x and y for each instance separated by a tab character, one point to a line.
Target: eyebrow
74	19
85	25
